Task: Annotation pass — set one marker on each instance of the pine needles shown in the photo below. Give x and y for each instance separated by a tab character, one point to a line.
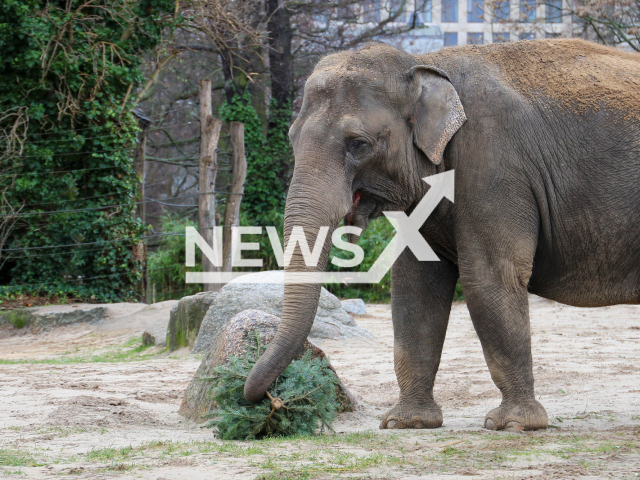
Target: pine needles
303	398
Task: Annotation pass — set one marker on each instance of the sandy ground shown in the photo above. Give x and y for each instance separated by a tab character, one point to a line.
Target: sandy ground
89	414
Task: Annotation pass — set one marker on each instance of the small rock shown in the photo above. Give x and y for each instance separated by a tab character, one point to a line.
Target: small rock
148	339
354	305
233	340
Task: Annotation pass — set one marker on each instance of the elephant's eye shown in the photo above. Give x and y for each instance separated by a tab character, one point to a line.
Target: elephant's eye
355	145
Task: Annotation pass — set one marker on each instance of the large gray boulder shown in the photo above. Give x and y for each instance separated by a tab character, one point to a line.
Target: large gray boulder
185	319
42	319
234	339
331	320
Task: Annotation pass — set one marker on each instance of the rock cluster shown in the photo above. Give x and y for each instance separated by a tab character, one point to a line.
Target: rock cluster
196	320
41	319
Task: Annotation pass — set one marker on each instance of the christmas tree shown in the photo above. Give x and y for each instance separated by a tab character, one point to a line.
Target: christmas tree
301	400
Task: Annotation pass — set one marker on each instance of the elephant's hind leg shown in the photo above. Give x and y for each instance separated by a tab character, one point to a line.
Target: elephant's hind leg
422	293
496	295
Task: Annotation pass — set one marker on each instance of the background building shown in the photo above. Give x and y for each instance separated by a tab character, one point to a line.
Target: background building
438	23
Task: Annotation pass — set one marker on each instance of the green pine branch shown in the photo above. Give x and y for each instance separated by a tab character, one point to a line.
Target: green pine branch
301	401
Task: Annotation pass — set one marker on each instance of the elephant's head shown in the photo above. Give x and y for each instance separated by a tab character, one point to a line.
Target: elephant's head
373	123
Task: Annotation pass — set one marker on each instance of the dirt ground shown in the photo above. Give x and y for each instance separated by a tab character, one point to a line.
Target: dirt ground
90	402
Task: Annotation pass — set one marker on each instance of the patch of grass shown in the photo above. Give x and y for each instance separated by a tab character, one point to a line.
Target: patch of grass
111	454
131	351
286	476
356	455
10	457
8	473
311	463
60	431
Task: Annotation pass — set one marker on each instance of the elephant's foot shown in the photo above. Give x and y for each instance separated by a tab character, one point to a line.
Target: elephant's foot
516	417
406	414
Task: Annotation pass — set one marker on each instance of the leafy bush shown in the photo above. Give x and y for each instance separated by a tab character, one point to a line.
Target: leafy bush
73	67
167	264
373	241
301	400
275	218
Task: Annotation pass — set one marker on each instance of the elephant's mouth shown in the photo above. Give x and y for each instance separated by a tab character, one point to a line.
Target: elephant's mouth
364	208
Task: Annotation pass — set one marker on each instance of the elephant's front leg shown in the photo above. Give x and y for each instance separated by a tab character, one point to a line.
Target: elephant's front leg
495	290
421	296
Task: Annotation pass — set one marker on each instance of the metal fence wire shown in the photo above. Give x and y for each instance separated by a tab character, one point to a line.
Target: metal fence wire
30	212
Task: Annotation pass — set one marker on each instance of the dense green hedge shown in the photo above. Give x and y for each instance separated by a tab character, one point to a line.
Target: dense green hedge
74	65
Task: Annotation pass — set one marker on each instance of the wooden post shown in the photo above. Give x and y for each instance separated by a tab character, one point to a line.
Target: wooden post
140	166
209	135
236	190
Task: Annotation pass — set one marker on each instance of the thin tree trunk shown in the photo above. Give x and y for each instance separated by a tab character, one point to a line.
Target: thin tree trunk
281	72
236	190
140	166
280	57
209	135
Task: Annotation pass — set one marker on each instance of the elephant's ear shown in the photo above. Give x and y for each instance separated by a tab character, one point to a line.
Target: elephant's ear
438	112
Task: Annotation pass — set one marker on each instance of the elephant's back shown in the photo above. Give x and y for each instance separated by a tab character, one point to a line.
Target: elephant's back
578	75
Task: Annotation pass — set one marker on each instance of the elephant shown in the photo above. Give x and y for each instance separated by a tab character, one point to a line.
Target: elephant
543	137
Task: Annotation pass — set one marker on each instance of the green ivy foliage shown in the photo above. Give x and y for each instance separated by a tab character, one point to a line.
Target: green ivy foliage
305	398
74	66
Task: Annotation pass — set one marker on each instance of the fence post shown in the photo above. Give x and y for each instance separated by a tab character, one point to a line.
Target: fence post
236	190
140	166
208	167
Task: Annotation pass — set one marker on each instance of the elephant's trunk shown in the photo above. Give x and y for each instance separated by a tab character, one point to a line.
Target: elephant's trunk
316	199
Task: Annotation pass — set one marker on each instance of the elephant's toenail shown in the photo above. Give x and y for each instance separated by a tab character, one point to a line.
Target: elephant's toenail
489	424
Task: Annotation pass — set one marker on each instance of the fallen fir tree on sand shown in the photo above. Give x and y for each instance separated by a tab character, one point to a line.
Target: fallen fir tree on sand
302	400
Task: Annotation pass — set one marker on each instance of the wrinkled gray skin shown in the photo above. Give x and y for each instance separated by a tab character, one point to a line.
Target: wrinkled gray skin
543	203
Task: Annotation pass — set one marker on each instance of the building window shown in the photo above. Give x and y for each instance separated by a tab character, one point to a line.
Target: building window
501	10
475	38
450	11
396	8
372	11
421	15
476	11
426	7
552	35
450	39
554	11
527	10
500	37
528	36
